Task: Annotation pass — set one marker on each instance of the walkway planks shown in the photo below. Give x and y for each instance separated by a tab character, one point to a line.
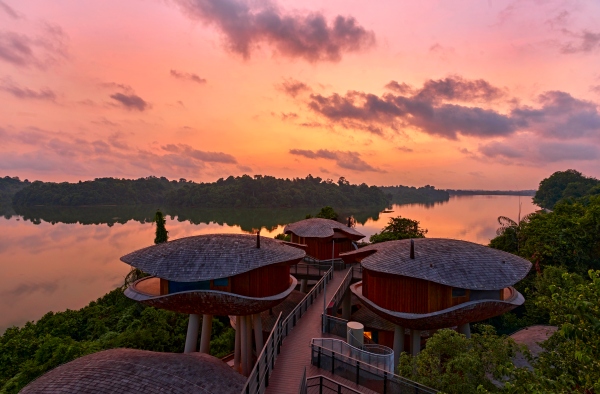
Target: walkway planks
295	350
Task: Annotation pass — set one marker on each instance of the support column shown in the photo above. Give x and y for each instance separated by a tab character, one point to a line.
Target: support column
258	334
206	331
244	346
304	286
191	339
415	342
465	329
237	353
398	344
248	344
347	305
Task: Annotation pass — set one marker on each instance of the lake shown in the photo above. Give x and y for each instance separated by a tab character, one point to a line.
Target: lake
54	259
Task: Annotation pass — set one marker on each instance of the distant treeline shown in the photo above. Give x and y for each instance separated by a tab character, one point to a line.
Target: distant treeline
243	192
410	194
8	187
491	192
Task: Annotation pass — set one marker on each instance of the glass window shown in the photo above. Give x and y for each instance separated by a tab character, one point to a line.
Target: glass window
221	282
458	292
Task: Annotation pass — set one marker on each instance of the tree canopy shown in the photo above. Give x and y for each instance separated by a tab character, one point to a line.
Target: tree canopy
399	228
562	185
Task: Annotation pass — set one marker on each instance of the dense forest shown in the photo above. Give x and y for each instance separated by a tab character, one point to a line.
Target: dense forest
240	192
409	195
8	187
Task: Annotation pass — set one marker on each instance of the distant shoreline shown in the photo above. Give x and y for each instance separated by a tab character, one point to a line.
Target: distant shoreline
528	193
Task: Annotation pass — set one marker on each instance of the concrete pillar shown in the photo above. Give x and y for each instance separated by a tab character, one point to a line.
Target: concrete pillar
248	344
237	354
304	286
244	346
415	342
206	331
347	305
191	339
398	344
465	329
258	334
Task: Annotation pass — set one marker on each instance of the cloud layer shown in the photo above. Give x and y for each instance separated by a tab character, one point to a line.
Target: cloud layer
348	160
441	108
187	77
246	25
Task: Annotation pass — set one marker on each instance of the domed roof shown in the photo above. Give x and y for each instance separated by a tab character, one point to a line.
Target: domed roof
136	371
446	261
320	228
210	256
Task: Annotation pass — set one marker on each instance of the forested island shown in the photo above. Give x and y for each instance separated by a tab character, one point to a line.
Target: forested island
410	195
454	192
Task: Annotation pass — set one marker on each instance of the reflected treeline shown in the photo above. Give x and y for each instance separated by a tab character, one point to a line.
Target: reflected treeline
249	219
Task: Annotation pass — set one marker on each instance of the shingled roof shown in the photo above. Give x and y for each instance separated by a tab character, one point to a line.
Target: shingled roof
447	261
319	228
210	256
140	371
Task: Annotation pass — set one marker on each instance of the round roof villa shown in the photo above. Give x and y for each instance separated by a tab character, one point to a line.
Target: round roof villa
320	228
133	371
212	256
217	274
325	239
431	283
446	261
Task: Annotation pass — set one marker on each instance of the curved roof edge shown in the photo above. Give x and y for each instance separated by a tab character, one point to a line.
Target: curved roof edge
445	261
321	228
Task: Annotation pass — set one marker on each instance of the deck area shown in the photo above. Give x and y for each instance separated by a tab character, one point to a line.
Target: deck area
295	350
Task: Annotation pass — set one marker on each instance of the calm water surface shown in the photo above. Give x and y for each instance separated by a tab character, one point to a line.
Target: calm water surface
50	261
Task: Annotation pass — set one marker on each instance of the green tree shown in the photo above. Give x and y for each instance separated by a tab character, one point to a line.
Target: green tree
399	228
571	361
564	184
162	235
456	365
327	213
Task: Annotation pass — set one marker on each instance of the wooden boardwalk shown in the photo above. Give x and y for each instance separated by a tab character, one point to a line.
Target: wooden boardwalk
296	351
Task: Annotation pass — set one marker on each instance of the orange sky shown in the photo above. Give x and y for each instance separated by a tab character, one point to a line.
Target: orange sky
488	94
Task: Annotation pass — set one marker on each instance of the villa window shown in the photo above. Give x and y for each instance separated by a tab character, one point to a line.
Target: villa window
458	292
223	282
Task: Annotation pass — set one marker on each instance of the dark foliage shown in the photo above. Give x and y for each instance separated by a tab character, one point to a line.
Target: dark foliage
8	187
399	228
410	194
563	185
110	322
100	191
245	191
162	235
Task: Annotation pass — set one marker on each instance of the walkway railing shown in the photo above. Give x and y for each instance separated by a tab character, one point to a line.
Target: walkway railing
364	374
341	291
374	355
323	385
292	319
258	380
335	326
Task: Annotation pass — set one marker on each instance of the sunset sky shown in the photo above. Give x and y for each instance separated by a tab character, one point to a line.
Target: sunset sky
457	94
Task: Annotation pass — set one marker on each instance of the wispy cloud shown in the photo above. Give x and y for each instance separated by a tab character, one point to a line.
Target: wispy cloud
348	160
130	101
187	77
39	51
9	10
24	93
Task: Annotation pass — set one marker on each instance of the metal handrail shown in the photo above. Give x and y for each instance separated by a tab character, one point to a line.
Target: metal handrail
338	387
341	290
358	353
384	375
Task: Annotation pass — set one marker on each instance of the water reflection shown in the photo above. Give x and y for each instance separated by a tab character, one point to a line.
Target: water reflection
58	258
249	220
